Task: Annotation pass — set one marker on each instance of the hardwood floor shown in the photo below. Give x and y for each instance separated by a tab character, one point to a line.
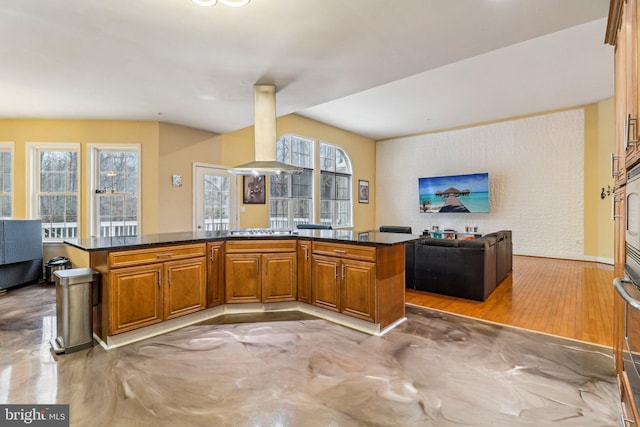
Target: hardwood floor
572	299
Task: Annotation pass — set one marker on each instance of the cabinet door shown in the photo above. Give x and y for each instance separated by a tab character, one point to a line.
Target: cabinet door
136	297
304	271
325	282
215	274
279	277
358	289
185	287
242	278
630	23
620	81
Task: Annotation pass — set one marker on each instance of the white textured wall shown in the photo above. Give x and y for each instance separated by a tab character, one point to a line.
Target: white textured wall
535	166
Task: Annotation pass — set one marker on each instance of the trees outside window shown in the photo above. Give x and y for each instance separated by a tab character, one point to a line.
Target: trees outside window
291	196
6	181
335	187
55	183
291	199
116	177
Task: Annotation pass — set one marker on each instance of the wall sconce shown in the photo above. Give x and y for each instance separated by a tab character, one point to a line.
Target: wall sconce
604	193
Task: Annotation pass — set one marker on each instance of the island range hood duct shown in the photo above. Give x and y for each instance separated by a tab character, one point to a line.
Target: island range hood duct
265	137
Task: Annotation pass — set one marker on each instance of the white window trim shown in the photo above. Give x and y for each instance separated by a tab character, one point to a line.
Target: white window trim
31	172
351	192
92	167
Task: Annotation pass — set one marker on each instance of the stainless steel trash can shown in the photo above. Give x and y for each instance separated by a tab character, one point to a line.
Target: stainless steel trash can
76	294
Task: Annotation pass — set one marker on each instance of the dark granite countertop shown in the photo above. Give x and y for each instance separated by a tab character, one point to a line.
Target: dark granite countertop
369	238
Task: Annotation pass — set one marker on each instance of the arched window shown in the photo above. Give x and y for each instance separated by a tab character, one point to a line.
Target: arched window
291	200
335	186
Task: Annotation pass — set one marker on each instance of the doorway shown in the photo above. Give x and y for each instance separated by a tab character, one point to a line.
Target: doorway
215	194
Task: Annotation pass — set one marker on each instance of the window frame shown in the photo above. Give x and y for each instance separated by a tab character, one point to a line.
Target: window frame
335	200
93	168
291	200
8	147
33	176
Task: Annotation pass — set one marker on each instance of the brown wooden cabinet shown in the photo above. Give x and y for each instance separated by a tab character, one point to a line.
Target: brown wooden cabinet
136	293
242	278
147	286
623	33
260	271
185	288
325	282
358	289
304	271
342	281
215	274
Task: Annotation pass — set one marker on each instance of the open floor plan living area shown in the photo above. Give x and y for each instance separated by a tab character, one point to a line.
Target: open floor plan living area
285	213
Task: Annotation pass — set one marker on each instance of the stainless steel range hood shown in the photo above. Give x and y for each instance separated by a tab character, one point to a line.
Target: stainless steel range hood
265	137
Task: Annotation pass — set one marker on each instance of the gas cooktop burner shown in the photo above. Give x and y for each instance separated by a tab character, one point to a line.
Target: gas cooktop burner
263	232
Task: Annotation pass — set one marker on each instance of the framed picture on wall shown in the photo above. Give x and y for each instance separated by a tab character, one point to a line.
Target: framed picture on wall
363	191
253	189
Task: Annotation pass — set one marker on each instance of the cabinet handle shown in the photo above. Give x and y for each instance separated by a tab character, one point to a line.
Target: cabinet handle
159	278
306	252
630	122
164	255
614	200
335	270
342	271
338	251
257	267
169	277
213	255
614	169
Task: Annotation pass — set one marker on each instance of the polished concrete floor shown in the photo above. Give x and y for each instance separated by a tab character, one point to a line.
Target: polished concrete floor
433	370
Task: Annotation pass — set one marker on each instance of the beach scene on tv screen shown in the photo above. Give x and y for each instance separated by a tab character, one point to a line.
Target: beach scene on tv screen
455	193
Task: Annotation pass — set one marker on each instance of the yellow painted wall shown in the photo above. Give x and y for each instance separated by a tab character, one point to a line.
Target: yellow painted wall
599	144
179	148
238	148
169	149
165	149
23	131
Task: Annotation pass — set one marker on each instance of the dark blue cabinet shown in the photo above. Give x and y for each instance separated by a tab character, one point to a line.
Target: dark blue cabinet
20	252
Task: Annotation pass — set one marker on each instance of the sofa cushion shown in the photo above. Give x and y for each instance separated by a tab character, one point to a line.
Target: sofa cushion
440	242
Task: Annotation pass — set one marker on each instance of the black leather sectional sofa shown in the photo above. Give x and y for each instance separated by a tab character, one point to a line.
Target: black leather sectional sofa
468	269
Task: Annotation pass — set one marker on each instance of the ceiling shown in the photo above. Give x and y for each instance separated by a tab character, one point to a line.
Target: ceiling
379	68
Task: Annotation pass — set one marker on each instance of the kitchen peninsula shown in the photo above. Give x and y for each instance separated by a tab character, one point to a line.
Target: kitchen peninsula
155	283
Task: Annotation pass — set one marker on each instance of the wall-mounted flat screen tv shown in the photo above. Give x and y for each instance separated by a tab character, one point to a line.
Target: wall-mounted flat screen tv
455	193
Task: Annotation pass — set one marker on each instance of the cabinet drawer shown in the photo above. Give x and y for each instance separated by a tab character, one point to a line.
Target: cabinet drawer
261	246
367	253
157	254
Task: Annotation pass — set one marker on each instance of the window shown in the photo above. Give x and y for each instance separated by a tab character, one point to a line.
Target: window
217	202
54	189
335	186
116	182
6	181
291	196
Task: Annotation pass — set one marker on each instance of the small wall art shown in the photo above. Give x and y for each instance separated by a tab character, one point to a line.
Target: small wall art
363	191
253	189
